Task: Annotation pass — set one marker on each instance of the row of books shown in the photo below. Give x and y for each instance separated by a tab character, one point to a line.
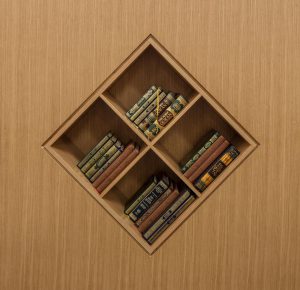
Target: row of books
156	205
154	110
106	160
207	163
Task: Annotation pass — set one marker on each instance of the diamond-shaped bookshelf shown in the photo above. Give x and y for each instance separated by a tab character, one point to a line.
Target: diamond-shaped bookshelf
105	109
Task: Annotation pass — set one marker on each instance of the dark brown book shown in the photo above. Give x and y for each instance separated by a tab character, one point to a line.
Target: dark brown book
119	169
204	156
209	161
158	211
129	148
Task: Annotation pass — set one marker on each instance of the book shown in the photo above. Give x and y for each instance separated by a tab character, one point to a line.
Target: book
165	117
163	105
211	158
174	206
171	219
169	190
100	162
146	104
119	169
94	150
204	155
140	194
216	168
154	213
141	101
212	138
150	108
129	148
99	154
150	198
106	165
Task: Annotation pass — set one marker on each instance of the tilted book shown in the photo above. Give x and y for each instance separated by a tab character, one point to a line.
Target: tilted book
171	219
140	194
148	200
214	136
141	101
178	202
216	168
94	150
99	154
129	148
99	163
119	169
163	105
166	117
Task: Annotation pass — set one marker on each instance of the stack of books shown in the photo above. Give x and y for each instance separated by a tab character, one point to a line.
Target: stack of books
156	205
155	110
106	160
207	163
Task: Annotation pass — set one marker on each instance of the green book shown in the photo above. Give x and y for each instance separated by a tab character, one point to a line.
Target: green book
99	154
100	162
140	194
94	150
141	101
212	138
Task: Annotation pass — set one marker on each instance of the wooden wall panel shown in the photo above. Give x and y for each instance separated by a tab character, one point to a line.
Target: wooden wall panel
53	54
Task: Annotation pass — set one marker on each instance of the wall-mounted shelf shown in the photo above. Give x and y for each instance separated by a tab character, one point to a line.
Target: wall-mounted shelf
105	111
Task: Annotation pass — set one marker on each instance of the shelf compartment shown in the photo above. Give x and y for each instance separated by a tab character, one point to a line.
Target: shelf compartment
89	129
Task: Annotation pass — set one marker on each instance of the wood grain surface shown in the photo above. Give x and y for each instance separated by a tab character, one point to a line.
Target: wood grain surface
53	54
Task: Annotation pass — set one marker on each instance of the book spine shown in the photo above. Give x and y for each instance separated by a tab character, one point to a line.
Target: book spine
171	219
129	148
200	152
146	104
208	152
106	165
94	150
146	203
118	170
216	168
99	154
166	214
117	146
150	108
154	206
163	105
141	101
212	157
140	195
165	117
158	212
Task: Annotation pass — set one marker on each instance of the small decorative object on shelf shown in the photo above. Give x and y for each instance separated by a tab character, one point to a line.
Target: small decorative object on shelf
156	205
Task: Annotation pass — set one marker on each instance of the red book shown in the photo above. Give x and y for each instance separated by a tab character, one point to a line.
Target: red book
129	148
119	169
205	156
209	161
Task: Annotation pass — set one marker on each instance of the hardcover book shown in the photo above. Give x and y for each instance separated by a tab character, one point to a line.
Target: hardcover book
94	150
213	137
119	169
140	194
171	219
178	202
150	198
141	101
129	148
99	163
166	117
163	105
99	154
216	168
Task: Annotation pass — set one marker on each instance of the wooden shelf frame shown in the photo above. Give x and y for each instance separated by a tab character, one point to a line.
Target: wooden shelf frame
107	106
